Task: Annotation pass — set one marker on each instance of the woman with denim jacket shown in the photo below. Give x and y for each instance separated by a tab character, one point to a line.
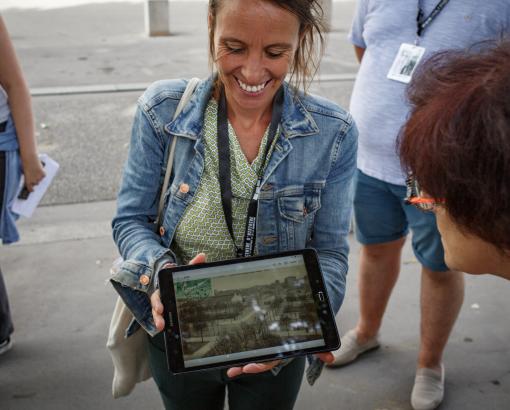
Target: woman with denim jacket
303	149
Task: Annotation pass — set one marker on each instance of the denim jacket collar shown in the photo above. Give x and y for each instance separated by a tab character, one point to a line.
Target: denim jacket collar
296	120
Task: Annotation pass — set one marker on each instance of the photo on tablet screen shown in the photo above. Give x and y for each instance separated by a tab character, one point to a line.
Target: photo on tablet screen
244	310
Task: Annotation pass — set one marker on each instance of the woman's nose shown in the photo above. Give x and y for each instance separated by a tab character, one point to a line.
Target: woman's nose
253	68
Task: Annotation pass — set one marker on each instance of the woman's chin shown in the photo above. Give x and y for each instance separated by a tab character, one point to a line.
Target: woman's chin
462	264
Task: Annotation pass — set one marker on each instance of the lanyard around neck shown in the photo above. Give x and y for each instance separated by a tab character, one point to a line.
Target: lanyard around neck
226	177
421	22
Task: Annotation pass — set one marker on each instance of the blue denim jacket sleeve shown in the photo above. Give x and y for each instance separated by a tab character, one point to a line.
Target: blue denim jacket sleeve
332	225
134	230
332	222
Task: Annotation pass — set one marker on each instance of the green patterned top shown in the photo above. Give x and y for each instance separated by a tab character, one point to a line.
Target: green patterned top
203	227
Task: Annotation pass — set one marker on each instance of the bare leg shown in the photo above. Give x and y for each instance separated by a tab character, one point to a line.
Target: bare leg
379	270
442	294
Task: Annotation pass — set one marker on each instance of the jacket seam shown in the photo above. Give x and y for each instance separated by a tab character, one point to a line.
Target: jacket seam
341	115
150	117
342	133
159	98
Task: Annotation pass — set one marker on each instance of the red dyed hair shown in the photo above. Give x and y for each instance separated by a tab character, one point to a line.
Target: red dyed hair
457	139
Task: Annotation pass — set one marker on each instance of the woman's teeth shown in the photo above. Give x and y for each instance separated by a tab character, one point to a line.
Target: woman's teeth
251	88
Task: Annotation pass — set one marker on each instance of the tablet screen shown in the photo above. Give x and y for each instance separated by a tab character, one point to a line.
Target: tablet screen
238	311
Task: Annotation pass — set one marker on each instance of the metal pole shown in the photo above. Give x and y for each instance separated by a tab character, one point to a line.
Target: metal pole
157	18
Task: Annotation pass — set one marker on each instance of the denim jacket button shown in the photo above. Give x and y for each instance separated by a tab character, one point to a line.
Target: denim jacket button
161	231
184	188
144	280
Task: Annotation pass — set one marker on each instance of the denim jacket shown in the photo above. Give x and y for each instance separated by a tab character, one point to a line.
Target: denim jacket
10	147
306	197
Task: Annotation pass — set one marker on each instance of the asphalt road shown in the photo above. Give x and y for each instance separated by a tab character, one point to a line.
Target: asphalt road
80	50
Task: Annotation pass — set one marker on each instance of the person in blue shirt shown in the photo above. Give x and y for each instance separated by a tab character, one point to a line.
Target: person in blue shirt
390	38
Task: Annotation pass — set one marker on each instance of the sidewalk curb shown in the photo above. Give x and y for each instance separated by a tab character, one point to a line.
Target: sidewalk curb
130	87
60	223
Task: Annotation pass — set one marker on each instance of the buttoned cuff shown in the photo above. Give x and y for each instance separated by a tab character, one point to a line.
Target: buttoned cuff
157	267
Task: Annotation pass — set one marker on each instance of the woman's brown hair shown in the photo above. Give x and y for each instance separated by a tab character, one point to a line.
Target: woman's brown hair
457	140
311	40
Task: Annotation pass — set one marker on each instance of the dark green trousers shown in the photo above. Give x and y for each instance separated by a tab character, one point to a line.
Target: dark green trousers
205	390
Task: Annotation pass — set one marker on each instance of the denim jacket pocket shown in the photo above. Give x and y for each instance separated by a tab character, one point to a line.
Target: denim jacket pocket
297	206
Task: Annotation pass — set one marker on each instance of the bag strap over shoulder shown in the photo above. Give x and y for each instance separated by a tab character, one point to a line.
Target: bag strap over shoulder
186	96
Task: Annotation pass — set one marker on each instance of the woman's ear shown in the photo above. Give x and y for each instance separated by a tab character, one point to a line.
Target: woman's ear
210	29
210	21
212	48
210	25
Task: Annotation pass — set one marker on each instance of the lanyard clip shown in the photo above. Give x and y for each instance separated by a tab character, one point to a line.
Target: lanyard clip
257	190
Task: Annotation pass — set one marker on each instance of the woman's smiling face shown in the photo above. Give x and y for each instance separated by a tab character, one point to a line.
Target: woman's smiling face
254	42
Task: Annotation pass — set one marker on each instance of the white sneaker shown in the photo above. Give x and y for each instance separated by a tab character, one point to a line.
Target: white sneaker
6	345
428	390
351	349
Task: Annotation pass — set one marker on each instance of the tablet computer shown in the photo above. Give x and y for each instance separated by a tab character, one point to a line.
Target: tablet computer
246	310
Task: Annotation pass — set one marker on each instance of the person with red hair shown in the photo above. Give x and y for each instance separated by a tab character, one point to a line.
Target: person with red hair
456	145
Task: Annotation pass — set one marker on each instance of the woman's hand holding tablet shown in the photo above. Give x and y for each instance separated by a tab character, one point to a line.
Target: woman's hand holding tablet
326	357
157	306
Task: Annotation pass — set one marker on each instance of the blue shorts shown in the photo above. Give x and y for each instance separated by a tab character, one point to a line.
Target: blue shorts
382	216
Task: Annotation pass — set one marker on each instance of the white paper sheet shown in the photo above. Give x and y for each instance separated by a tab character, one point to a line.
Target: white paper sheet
26	207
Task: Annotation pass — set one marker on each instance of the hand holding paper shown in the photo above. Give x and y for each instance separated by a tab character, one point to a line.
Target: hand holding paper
26	202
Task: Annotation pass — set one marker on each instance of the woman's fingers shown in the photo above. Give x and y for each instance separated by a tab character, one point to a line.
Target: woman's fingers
326	357
252	368
157	305
260	367
199	258
157	310
234	371
34	172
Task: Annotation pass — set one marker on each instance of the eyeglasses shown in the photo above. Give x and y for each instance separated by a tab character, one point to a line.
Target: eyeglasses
416	197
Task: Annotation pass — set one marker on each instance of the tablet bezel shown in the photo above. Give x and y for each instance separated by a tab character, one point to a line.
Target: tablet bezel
174	353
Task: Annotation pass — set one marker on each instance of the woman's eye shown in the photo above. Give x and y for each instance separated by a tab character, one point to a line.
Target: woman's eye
274	54
235	50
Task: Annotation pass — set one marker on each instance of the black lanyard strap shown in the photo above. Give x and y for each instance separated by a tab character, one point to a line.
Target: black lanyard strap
423	23
225	175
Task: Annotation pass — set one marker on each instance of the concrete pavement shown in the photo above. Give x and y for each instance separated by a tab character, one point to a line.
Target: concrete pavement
57	275
61	301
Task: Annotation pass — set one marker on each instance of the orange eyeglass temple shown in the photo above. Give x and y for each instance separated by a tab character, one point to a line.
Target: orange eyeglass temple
420	200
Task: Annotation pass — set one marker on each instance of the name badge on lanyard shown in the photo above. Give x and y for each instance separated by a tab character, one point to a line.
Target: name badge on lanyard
405	62
410	55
